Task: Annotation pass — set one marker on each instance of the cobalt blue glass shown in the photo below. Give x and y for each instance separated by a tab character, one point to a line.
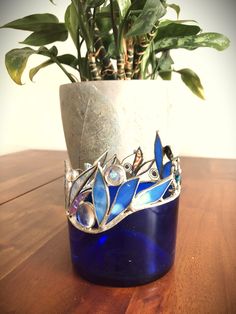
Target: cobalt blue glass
138	250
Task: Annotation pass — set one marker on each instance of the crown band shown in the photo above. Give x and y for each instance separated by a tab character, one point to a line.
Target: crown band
100	196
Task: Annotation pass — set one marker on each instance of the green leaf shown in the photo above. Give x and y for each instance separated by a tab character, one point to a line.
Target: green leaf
165	66
94	3
16	60
58	32
72	23
152	11
175	7
52	2
112	50
165	62
68	59
123	6
176	30
191	79
211	40
35	70
33	23
52	52
166	75
103	20
64	59
166	22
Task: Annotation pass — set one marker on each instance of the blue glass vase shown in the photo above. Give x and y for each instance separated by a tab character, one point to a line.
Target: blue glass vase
138	250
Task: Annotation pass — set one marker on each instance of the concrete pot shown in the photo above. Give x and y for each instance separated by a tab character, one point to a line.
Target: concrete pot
115	115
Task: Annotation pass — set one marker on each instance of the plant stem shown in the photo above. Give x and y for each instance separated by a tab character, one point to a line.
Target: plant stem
83	24
93	67
114	27
129	58
70	77
140	49
108	71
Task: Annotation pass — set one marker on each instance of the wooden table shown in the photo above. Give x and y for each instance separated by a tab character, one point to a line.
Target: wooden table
35	267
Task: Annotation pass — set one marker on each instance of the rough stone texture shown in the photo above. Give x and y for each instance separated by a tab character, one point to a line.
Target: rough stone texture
114	115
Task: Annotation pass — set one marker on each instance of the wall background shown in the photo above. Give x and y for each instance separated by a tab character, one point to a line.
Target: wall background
30	114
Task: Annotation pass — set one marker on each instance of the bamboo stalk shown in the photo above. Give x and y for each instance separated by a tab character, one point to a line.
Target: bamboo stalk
140	49
108	71
129	58
93	67
121	67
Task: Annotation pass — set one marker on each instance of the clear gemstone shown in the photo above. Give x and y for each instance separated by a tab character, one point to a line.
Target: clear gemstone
85	215
115	175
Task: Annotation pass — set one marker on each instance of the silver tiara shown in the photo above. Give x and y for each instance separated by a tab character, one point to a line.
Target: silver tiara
102	194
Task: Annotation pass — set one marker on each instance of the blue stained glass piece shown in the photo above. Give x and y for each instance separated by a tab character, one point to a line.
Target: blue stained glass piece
167	169
112	192
124	197
100	196
158	150
178	178
152	195
144	185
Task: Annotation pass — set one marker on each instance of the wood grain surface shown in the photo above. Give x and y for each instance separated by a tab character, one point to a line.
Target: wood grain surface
27	170
35	267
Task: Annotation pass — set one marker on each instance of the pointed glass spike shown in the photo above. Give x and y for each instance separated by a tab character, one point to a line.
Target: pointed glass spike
85	214
80	182
101	199
101	159
166	172
138	159
151	195
158	150
123	198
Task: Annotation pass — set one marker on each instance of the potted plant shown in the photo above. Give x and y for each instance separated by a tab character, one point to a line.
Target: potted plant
115	40
122	227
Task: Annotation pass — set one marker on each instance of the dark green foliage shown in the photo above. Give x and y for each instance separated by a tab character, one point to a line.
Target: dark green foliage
114	39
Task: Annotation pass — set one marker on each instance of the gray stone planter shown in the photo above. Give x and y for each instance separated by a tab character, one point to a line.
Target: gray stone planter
115	115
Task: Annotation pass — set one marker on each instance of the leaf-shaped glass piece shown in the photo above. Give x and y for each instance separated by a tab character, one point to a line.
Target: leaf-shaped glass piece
101	159
167	169
124	197
138	159
144	185
80	182
158	150
151	195
101	198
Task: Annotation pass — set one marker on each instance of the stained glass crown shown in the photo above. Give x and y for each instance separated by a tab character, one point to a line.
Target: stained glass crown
100	196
